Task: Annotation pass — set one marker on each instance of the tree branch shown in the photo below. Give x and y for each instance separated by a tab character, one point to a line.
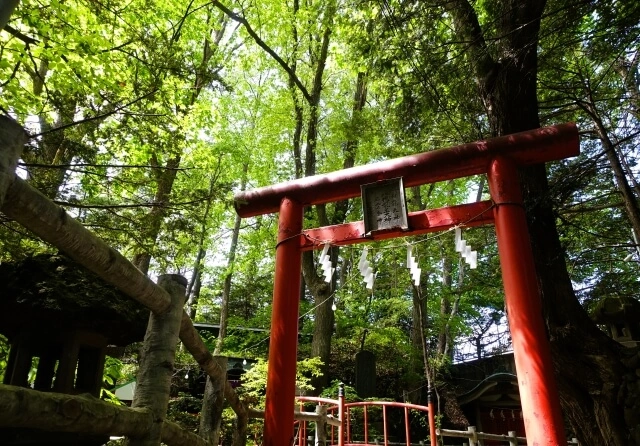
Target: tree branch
117	166
17	34
94	118
467	25
240	19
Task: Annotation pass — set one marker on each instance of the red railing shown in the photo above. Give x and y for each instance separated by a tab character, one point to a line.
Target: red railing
341	413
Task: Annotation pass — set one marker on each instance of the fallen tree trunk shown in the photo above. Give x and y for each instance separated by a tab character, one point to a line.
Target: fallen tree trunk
59	412
192	340
173	434
50	222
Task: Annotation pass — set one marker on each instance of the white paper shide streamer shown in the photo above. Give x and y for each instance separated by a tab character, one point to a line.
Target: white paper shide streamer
469	256
325	263
412	266
366	270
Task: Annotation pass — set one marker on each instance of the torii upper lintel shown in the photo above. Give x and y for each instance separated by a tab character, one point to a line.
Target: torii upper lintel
525	148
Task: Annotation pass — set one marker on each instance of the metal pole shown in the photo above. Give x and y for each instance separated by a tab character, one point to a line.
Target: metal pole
406	427
341	414
302	424
283	345
432	417
384	425
538	392
366	425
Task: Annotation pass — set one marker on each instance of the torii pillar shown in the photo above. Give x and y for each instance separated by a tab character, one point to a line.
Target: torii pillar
499	158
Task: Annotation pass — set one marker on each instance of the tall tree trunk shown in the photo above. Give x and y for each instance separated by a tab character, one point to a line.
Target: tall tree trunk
153	220
166	177
444	340
628	72
628	197
323	316
193	290
213	401
418	340
448	308
318	52
588	364
54	150
298	109
226	290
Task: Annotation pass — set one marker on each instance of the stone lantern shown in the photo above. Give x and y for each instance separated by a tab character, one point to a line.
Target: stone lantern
60	321
621	316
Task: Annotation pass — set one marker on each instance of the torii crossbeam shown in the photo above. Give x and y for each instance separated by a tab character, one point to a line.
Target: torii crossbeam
499	158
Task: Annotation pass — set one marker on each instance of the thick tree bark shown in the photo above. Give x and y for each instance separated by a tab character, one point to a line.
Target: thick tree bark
588	364
324	317
226	289
6	10
153	220
212	405
158	359
628	197
60	412
165	178
193	290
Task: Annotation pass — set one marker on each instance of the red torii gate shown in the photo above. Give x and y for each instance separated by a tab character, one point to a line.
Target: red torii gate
499	158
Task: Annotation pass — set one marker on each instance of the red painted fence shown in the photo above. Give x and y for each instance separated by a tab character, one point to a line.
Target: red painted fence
360	414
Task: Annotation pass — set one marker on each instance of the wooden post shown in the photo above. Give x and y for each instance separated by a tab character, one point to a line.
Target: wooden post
212	405
473	438
19	363
321	425
46	371
12	139
158	359
66	372
283	346
513	440
543	422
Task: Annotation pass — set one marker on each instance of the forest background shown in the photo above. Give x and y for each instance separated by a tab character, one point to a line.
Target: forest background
146	118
